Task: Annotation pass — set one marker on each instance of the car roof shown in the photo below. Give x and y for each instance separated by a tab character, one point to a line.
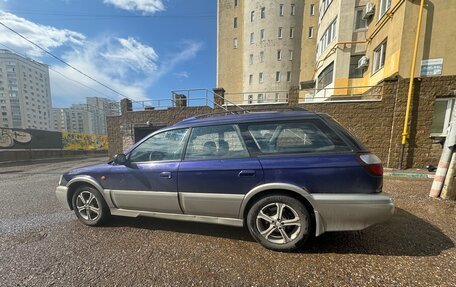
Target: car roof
245	118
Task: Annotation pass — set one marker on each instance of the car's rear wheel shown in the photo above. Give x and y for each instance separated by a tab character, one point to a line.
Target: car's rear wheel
89	206
279	222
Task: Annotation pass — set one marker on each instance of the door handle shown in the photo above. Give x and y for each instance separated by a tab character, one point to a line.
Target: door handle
165	174
246	173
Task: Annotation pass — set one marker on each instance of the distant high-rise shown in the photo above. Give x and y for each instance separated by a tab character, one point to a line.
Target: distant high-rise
89	118
25	93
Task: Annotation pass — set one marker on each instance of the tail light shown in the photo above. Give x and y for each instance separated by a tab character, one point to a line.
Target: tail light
371	163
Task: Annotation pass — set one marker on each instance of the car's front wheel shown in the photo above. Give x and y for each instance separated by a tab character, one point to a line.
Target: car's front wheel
89	206
279	222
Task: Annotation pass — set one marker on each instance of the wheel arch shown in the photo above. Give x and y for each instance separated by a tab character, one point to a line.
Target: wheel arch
291	190
78	181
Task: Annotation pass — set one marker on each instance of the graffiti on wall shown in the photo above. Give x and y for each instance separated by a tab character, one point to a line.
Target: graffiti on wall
76	141
8	138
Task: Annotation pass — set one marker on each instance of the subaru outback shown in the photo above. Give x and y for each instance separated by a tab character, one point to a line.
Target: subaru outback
285	175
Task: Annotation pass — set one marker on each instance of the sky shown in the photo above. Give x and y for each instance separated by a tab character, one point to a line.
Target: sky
142	49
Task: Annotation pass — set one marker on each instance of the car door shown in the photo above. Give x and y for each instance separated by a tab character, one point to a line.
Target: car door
148	181
309	154
216	172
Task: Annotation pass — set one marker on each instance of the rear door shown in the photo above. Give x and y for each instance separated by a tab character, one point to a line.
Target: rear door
309	154
216	172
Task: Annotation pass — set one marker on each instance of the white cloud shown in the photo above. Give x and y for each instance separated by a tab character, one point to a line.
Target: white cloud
144	6
183	74
133	75
47	37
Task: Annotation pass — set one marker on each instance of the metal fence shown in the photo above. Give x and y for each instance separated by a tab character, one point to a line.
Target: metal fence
342	94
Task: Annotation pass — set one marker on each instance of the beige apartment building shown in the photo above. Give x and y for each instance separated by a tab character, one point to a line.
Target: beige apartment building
265	47
337	47
362	42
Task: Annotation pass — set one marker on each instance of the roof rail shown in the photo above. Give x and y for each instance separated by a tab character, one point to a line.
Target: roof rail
245	111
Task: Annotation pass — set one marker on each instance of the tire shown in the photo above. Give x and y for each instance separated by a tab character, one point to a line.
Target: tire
89	206
285	233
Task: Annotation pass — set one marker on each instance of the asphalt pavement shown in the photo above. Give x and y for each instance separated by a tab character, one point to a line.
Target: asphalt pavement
42	244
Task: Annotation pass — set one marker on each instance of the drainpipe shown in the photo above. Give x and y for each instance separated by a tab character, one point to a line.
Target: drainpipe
412	78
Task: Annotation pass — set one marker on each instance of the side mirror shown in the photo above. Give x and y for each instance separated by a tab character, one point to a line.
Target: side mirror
120	159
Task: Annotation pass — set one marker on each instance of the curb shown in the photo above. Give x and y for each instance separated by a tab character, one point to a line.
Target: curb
408	175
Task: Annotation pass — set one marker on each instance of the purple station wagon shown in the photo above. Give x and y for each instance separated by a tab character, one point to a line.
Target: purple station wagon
285	175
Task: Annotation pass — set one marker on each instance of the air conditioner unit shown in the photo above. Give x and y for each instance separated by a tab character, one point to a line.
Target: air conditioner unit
369	10
363	62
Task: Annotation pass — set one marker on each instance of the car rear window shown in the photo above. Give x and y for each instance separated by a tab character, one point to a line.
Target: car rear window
305	136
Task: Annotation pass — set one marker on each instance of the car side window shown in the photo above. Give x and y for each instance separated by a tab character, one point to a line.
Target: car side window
163	146
296	137
215	142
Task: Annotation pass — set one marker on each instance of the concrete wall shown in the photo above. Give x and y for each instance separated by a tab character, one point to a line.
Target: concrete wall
31	155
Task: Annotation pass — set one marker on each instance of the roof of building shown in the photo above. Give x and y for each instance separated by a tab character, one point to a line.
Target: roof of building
247	117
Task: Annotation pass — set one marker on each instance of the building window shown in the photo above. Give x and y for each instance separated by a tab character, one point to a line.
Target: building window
328	36
250	99
288	76
325	78
235	43
290	55
324	6
260	98
250	79
278	76
281	9
252	38
262	34
280	34
235	23
277	97
384	6
312	9
235	3
441	118
311	32
292	33
263	12
354	72
261	56
252	16
293	9
379	57
251	59
360	23
279	55
260	77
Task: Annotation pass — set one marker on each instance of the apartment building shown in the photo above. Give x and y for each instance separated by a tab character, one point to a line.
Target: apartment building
264	47
362	42
88	118
25	94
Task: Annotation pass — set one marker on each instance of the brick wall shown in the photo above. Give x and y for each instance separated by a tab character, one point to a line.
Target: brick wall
378	124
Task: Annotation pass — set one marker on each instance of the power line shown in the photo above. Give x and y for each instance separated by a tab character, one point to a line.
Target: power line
58	13
68	78
61	60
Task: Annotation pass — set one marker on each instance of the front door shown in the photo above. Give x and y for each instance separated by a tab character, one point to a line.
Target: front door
148	182
216	172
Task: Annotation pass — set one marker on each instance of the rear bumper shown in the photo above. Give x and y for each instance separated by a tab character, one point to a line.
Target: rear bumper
342	212
62	195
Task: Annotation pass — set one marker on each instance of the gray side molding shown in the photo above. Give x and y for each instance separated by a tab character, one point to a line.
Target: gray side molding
90	180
